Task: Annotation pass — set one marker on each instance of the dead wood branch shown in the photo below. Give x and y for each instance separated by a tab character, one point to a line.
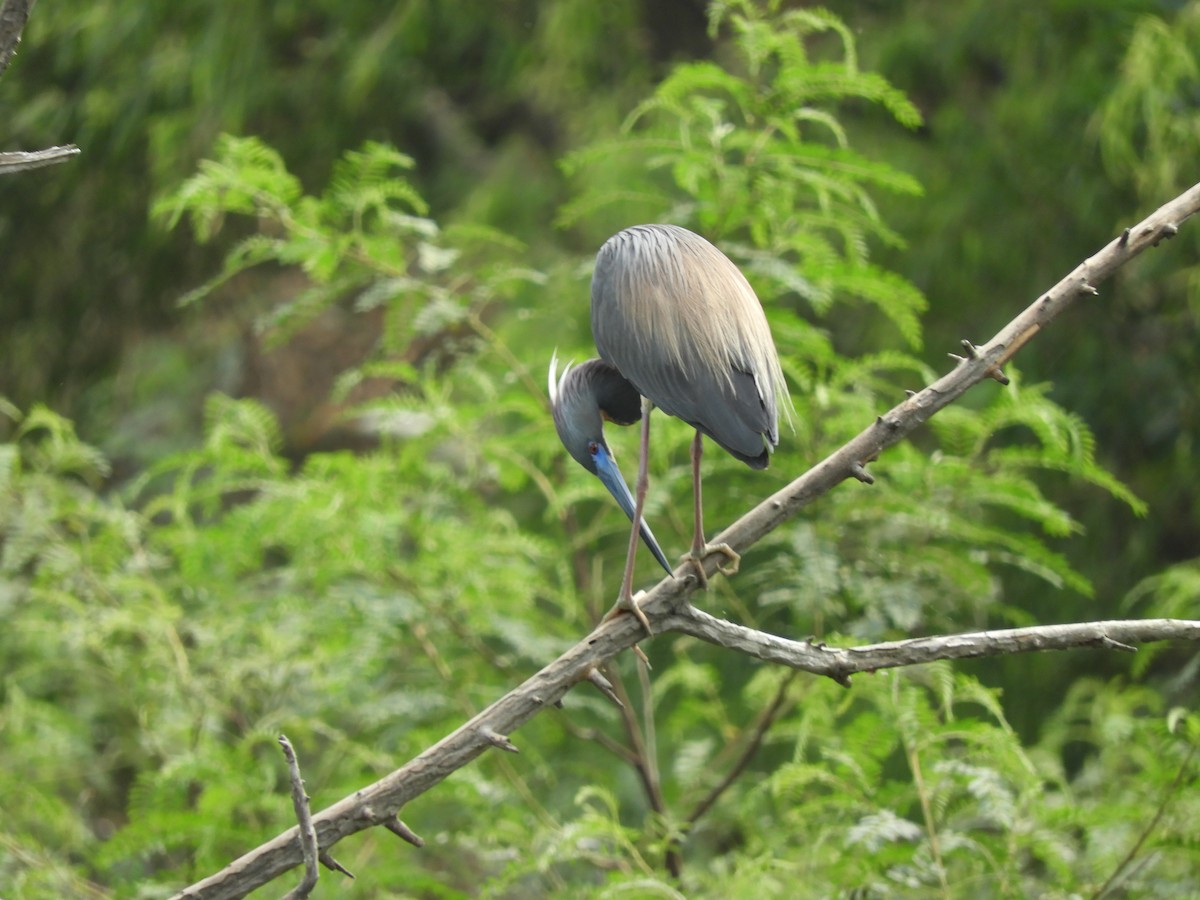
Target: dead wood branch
13	16
21	161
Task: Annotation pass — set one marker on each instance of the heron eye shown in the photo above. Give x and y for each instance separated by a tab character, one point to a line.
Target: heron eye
593	448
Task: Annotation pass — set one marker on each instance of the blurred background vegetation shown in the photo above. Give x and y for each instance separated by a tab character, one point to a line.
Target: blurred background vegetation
276	455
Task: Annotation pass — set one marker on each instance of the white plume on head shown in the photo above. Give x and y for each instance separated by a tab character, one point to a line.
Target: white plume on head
554	380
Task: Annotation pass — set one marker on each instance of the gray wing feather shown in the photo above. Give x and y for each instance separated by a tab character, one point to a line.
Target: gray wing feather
729	409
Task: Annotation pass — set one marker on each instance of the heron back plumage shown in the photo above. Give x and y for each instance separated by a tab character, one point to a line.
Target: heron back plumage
679	321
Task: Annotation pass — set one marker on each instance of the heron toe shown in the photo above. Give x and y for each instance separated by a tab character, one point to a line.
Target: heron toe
626	603
697	560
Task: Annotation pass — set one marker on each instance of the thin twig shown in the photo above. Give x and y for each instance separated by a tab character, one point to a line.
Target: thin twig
765	720
308	834
1168	796
637	745
672	858
914	765
605	740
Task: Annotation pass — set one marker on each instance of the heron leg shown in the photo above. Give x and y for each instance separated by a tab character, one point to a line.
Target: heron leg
701	550
626	601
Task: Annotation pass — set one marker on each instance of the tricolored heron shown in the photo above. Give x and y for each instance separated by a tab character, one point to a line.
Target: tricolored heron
678	327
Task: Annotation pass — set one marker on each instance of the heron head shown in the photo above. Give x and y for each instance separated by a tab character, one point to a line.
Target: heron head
581	398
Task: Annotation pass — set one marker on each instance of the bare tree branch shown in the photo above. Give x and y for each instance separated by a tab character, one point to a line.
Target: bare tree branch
667	608
839	663
13	16
21	161
308	835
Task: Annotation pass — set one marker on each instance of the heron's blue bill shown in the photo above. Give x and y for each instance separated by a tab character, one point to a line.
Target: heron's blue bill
607	471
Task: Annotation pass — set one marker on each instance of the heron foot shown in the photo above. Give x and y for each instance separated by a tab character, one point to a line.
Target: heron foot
697	558
630	604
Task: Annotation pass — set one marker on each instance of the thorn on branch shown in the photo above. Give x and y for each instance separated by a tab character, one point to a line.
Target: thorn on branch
333	865
604	686
1109	644
973	354
957	359
841	677
1086	287
1168	231
402	831
909	394
859	471
1123	242
498	740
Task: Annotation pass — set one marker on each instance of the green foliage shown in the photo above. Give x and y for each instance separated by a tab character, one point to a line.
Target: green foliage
81	602
1148	125
160	635
1020	185
758	156
1171	594
145	89
911	785
366	237
260	600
